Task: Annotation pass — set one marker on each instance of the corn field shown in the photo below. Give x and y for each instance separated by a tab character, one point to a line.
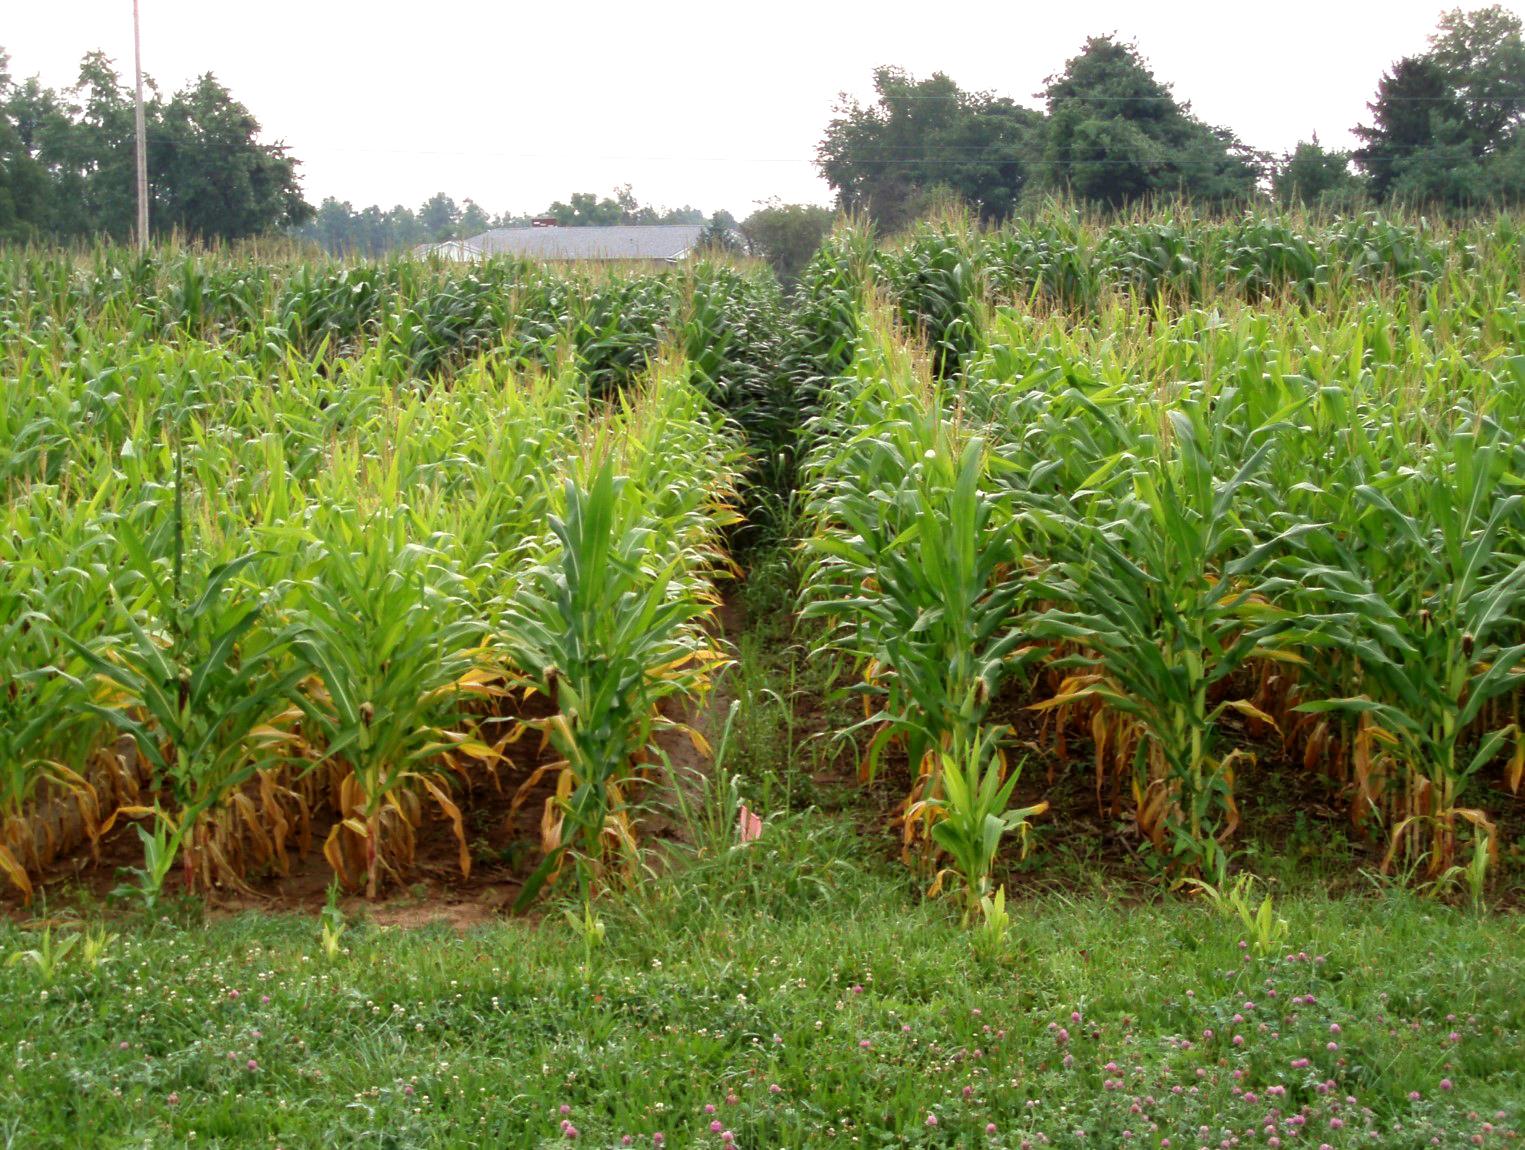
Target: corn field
264	570
300	557
1183	492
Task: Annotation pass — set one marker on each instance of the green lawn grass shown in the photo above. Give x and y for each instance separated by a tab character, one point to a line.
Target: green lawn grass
792	993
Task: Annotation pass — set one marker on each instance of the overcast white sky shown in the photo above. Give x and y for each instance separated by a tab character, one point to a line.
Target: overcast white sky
715	105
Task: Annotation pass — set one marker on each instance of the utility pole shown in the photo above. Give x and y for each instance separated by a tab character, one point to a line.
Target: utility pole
137	59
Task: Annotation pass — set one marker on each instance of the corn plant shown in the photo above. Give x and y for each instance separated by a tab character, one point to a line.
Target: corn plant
205	688
38	712
829	306
995	924
1161	602
48	956
910	566
161	848
397	657
605	627
1423	595
1369	351
94	945
56	578
937	277
331	923
1262	926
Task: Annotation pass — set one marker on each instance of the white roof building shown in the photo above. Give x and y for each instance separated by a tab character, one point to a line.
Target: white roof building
647	243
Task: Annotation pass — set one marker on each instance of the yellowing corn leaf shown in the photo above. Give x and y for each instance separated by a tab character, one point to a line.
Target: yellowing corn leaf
1073	688
14	871
1282	655
529	784
1245	707
1099	737
453	812
333	851
476	750
700	743
132	812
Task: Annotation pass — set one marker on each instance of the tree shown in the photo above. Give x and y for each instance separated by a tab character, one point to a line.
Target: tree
1412	101
888	159
339	228
23	181
586	209
1504	177
720	234
1446	123
438	218
684	215
1314	177
95	158
1482	57
42	141
1115	134
473	222
333	227
210	175
787	235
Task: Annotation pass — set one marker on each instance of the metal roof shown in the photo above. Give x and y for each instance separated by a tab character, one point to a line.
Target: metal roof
621	242
458	250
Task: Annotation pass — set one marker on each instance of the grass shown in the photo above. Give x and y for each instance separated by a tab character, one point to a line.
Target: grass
802	990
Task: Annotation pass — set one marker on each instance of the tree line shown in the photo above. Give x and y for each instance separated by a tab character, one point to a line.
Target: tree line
784	235
68	161
338	227
1445	132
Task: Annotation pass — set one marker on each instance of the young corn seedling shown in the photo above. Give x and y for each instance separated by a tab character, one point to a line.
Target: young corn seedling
995	925
1261	924
972	815
48	956
161	848
94	945
331	922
